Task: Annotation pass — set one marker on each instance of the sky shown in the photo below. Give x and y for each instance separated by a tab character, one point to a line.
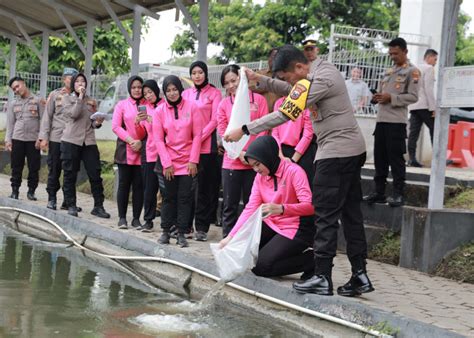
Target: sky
155	44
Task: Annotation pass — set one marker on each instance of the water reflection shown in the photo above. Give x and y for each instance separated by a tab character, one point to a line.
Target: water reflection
48	291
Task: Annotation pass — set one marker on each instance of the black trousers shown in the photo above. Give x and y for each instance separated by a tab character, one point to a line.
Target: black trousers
417	118
71	156
54	169
20	151
336	196
177	200
216	211
306	161
236	184
129	176
280	256
207	191
150	189
389	147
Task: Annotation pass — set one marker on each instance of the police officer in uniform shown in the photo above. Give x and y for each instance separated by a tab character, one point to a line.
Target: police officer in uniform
78	144
398	89
23	123
310	49
52	126
341	153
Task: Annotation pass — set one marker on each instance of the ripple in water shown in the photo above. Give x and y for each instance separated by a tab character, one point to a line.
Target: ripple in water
168	323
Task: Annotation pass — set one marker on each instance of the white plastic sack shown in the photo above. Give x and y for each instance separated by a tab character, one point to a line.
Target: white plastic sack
240	254
239	116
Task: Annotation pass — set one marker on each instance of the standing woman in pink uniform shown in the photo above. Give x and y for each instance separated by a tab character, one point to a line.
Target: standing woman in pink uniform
125	123
177	136
207	98
295	139
151	94
237	175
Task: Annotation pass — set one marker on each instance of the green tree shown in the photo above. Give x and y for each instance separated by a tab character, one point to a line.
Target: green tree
464	42
247	31
110	55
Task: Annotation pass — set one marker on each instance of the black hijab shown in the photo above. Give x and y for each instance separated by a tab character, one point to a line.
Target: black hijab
154	87
173	79
203	66
129	87
266	151
73	81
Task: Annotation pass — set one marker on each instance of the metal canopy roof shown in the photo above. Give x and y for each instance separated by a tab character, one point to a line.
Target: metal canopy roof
37	16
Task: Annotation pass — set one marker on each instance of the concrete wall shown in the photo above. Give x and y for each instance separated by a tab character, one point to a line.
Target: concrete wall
427	236
422	17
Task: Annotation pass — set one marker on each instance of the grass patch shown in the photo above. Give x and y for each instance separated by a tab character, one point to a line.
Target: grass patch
463	200
107	150
459	265
43	173
385	328
108	179
387	250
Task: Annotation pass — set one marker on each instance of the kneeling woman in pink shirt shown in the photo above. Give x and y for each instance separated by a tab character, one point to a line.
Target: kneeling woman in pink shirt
177	136
282	189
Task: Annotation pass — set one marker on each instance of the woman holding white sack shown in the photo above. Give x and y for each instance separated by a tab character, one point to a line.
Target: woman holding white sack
237	174
283	191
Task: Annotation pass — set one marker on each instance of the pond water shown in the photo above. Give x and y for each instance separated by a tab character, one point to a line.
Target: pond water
49	290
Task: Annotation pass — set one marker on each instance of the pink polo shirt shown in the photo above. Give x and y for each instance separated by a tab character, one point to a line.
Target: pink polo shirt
123	125
258	108
151	150
177	138
292	191
298	133
207	99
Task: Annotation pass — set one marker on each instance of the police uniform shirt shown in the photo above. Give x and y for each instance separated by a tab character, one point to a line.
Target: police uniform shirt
426	98
79	128
23	119
52	123
401	82
333	121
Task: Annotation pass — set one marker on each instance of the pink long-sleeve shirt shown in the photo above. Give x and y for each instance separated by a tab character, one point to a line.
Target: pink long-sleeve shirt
150	149
258	108
292	191
178	140
298	133
124	126
207	99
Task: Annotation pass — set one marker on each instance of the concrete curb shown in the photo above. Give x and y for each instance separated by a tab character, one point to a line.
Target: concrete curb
341	307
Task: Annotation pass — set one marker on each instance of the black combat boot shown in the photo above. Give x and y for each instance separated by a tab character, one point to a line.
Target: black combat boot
31	194
164	238
15	193
357	285
51	204
99	211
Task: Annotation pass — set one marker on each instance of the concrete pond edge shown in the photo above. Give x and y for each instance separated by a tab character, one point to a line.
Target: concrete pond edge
180	281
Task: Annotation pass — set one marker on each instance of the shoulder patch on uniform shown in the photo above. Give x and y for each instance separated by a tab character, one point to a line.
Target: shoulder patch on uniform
295	102
416	75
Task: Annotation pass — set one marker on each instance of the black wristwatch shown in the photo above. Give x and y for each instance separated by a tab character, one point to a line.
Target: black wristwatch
245	129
